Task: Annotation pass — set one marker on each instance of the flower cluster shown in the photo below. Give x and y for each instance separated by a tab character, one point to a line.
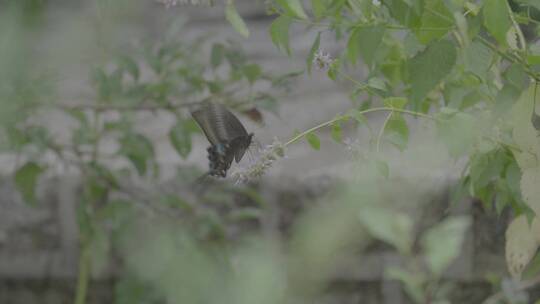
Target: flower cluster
322	60
266	158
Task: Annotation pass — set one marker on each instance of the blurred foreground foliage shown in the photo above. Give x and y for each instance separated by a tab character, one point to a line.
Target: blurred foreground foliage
470	67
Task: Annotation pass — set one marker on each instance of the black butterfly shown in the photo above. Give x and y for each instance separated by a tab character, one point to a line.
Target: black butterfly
228	138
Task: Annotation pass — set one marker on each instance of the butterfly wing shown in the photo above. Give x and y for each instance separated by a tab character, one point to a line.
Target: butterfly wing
218	123
240	145
207	124
233	128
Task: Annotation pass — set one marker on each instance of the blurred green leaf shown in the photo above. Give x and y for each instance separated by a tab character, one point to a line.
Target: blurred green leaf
293	8
217	54
429	67
175	201
359	117
138	149
397	232
397	132
404	13
252	72
180	138
478	59
337	132
395	102
437	20
383	168
313	141
130	66
496	19
318	7
365	41
413	281
279	32
442	243
26	178
312	51
235	19
458	131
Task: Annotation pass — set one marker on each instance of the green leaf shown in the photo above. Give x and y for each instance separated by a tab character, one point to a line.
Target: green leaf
429	67
279	32
383	168
176	202
365	41
521	244
312	51
484	167
533	3
217	54
26	179
533	59
404	13
397	132
397	232
458	131
130	66
293	7
442	243
359	117
496	19
436	16
377	83
337	132
138	149
413	282
395	102
252	72
180	138
235	19
478	58
319	7
524	134
313	141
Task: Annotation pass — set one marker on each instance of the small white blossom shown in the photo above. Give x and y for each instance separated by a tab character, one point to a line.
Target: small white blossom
322	60
257	168
376	2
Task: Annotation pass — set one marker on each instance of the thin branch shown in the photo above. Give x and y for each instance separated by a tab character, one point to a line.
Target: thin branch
138	107
347	116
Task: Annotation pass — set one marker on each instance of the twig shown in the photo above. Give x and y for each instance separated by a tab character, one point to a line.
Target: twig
117	107
347	116
84	273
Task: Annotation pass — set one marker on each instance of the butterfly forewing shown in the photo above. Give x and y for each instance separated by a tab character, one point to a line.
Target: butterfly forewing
206	123
219	124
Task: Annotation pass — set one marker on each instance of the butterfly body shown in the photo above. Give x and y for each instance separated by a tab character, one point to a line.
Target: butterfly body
228	138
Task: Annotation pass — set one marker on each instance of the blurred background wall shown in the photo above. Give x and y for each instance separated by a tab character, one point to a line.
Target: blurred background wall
39	245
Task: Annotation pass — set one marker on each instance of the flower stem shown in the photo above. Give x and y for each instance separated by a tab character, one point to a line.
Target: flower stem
84	274
347	116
